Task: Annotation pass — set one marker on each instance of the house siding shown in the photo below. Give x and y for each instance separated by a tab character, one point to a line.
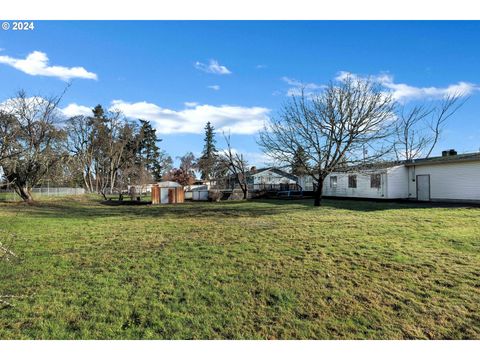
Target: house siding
449	181
455	181
394	184
363	189
397	182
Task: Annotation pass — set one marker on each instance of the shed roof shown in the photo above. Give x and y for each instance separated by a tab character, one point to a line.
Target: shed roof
168	184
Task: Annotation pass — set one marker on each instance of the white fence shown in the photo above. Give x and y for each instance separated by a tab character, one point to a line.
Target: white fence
58	191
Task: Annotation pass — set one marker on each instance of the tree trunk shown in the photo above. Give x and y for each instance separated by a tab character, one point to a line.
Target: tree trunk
245	193
318	193
24	192
86	182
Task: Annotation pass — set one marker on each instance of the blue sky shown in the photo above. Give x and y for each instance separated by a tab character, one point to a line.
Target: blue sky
179	74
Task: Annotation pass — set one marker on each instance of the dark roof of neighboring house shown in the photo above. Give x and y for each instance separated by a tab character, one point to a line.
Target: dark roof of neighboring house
424	161
444	159
381	165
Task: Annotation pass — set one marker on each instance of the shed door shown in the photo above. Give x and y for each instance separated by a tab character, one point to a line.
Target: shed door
171	196
164	195
423	187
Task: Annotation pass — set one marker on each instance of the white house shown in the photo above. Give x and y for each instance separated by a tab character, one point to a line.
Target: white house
445	178
270	178
449	177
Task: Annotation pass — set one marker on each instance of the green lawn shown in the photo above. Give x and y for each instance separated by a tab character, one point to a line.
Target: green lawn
240	270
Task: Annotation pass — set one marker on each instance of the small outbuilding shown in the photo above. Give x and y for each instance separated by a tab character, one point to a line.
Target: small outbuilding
167	192
197	193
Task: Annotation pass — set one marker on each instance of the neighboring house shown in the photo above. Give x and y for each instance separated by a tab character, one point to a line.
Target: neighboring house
270	178
449	177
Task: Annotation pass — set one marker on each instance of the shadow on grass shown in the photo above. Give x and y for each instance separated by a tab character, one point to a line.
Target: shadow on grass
369	204
96	208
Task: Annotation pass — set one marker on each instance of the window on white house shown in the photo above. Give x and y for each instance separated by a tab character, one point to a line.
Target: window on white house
352	181
375	181
333	181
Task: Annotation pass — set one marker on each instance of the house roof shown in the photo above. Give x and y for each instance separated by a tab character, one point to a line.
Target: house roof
381	165
276	171
415	162
444	159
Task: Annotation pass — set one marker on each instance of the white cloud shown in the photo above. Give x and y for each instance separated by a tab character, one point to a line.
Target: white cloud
236	119
404	92
214	87
190	104
258	159
297	86
213	67
261	66
74	110
192	119
36	63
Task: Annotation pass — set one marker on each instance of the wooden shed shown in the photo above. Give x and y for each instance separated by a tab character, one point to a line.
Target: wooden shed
167	192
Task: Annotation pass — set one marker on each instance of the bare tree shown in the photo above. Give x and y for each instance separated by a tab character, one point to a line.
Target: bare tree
236	166
106	147
335	128
418	130
188	164
180	176
79	144
34	141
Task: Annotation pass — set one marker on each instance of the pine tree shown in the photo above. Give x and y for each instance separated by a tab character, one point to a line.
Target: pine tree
299	162
209	155
149	152
98	112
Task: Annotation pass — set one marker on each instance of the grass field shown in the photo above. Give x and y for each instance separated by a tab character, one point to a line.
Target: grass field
237	270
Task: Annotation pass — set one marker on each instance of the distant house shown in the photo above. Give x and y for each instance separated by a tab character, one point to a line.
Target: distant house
269	178
450	177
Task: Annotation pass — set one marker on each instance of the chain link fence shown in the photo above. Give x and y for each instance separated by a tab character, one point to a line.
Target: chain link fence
9	194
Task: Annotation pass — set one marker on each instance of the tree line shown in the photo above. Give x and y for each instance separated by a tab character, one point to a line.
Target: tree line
103	152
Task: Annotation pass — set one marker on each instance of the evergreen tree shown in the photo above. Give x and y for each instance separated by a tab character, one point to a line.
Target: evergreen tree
209	155
98	112
150	153
300	160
